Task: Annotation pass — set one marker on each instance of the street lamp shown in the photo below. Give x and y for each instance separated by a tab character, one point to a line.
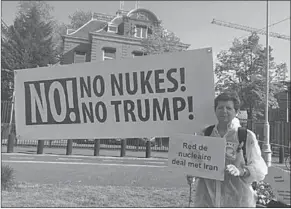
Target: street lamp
267	152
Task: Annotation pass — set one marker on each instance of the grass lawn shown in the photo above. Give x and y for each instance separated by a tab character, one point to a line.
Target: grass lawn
66	195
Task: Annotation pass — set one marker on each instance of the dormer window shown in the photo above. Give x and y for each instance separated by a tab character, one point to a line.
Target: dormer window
112	28
109	53
141	31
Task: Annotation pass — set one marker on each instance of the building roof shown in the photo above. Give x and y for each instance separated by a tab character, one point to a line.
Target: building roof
99	22
92	25
103	17
152	16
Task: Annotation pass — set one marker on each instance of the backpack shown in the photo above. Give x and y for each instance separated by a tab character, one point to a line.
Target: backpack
242	137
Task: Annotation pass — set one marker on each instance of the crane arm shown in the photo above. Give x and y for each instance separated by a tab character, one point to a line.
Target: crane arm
249	29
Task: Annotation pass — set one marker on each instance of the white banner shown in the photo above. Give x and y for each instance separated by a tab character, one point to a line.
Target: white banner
199	156
136	97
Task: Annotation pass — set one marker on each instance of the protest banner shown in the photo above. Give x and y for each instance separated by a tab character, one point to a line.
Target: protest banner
127	98
279	180
199	156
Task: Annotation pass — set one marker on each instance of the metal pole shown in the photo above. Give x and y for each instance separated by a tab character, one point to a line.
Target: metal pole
148	149
123	148
266	146
40	146
97	147
287	109
11	138
69	149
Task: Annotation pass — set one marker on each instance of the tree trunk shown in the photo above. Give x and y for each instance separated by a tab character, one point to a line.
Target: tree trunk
250	118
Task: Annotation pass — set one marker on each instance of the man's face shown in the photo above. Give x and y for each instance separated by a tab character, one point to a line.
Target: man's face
225	111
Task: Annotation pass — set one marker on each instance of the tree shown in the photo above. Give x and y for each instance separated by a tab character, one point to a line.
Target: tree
79	18
27	43
34	37
242	68
10	59
161	40
42	7
45	10
60	29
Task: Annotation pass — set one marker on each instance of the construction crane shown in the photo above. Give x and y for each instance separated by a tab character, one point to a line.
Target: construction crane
249	29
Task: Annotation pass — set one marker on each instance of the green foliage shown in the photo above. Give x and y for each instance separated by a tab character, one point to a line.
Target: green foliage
79	18
242	69
6	81
28	42
60	29
162	41
44	9
264	193
7	177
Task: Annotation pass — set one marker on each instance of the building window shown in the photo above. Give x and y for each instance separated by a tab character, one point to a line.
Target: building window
79	57
141	31
109	53
138	53
112	28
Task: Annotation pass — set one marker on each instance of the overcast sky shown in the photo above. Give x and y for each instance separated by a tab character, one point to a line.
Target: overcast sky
191	20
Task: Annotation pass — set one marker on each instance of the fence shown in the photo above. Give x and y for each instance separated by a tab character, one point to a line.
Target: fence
279	137
136	144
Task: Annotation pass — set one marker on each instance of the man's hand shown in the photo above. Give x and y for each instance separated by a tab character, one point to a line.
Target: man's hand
233	170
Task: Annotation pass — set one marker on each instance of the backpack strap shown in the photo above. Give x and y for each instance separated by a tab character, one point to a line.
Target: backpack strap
242	137
208	130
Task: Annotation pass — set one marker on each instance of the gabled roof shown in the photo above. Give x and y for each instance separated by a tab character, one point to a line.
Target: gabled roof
92	25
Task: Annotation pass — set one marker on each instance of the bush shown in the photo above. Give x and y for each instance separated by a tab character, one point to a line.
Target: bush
7	177
264	193
266	197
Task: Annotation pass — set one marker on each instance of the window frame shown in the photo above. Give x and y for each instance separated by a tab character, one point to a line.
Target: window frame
111	31
136	52
141	27
80	53
105	57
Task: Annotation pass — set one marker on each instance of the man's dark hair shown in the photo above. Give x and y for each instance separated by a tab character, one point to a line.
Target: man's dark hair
228	96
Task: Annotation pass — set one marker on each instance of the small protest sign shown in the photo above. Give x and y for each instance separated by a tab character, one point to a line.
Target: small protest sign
279	180
199	156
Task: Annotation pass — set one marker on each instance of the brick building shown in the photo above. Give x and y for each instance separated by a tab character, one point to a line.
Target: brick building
107	37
